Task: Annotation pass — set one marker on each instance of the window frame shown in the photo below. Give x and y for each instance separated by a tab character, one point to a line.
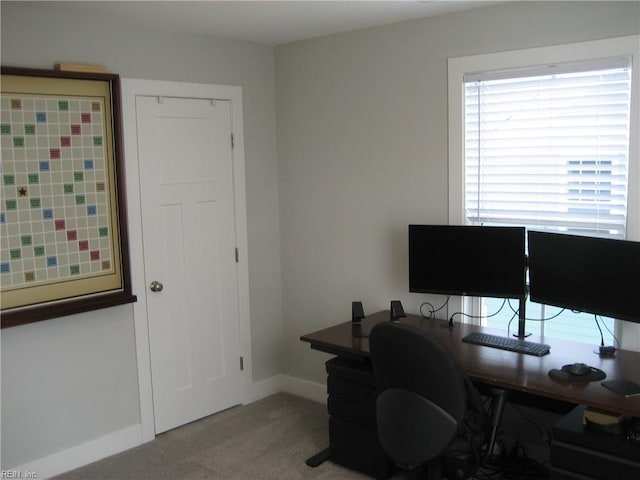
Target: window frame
458	67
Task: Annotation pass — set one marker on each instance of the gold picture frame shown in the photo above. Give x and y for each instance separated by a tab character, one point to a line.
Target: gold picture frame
63	235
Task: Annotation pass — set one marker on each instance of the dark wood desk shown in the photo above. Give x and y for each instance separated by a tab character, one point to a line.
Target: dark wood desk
352	430
509	370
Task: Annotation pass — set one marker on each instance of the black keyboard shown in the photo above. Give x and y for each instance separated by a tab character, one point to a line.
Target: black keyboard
506	343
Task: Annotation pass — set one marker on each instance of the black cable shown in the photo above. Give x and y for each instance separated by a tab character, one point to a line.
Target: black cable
468	315
535	425
517	466
615	339
595	317
432	313
515	314
538	319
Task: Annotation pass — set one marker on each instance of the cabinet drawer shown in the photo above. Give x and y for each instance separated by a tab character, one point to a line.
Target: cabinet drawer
352	412
353	392
359	372
556	473
592	462
358	448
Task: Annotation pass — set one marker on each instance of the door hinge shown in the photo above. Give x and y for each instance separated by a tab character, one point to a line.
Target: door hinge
233	141
237	255
241	363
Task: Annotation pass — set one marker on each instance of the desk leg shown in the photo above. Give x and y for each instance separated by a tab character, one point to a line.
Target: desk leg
319	458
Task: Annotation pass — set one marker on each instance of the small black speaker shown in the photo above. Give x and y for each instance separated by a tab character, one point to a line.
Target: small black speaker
396	311
357	312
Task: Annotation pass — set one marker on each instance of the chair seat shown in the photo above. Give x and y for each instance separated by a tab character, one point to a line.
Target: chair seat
403	417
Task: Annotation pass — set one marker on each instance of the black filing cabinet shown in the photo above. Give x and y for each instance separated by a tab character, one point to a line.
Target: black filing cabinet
580	453
353	436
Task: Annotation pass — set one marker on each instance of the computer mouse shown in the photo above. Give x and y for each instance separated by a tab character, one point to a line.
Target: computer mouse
578	369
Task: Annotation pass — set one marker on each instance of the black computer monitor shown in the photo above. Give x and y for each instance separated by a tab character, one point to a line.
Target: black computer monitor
467	260
594	275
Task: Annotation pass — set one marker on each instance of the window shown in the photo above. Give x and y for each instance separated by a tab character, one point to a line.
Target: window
547	146
549	150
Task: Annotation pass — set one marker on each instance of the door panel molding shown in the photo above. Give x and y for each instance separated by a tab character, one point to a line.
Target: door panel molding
131	88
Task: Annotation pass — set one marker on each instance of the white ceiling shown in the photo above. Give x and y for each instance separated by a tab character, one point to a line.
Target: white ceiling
269	22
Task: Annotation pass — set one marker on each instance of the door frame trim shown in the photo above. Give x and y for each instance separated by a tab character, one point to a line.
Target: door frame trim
131	88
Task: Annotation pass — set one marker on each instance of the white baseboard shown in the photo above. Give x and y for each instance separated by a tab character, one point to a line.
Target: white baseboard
293	385
305	389
130	437
265	388
81	455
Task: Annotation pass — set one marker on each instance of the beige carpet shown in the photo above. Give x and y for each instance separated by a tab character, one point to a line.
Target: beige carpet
269	439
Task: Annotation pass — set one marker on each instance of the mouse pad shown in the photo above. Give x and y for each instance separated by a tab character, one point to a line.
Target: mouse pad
594	375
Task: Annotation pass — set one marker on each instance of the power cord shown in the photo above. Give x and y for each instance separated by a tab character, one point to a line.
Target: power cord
515	465
606	351
468	315
544	436
432	312
615	339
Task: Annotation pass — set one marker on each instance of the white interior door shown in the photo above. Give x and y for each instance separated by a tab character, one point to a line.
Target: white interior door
188	227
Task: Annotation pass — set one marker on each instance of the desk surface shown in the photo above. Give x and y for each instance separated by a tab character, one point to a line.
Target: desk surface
500	368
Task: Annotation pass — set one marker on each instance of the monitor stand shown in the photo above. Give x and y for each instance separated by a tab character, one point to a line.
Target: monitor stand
522	334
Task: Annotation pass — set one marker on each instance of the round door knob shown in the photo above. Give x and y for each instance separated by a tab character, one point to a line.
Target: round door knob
156	286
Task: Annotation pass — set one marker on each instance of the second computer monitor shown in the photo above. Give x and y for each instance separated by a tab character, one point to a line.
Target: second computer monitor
595	275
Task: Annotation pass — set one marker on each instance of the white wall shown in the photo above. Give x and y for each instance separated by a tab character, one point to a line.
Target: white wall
362	152
66	382
362	149
71	380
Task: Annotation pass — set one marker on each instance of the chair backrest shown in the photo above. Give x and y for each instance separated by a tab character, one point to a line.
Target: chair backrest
422	396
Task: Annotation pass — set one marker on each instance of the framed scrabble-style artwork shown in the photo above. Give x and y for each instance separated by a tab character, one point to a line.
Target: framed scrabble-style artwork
63	230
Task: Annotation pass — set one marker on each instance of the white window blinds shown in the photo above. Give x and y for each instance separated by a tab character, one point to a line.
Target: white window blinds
549	147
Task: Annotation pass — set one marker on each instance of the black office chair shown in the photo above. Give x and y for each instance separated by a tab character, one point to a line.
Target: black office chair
431	419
